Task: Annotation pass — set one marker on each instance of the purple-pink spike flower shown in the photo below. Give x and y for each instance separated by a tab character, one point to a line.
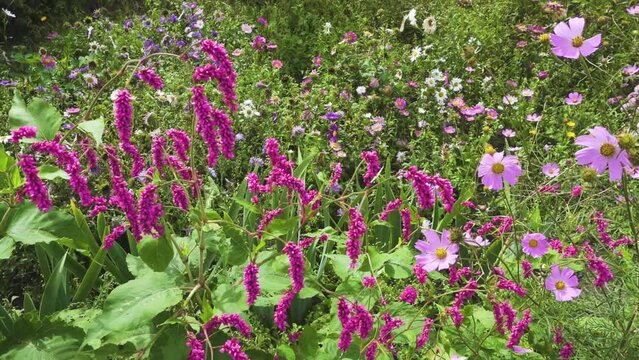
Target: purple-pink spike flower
422	338
279	318
356	231
438	253
568	41
266	220
391	206
601	151
113	236
232	320
409	295
34	186
251	283
233	349
152	79
535	244
181	143
197	348
180	197
151	211
296	269
563	283
24	132
372	162
519	329
496	168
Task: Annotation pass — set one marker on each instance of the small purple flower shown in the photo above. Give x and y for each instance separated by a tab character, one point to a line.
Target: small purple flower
535	244
550	170
574	98
533	117
48	61
509	133
563	283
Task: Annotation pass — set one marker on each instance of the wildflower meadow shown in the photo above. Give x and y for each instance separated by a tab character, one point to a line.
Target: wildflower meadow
315	179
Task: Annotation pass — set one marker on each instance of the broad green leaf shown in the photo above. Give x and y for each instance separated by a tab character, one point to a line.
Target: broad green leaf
157	253
28	225
38	114
170	344
399	265
95	128
134	304
228	298
50	172
6	247
247	205
55	296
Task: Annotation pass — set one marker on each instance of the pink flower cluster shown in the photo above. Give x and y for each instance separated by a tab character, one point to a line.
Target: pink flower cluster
373	167
426	187
34	186
152	79
356	231
354	318
251	283
24	132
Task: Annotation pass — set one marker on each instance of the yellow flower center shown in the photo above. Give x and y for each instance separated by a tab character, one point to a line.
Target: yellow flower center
578	41
533	243
544	38
607	150
498	168
560	285
441	253
550	171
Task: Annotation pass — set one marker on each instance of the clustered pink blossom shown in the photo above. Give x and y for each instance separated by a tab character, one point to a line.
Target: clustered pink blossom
197	348
282	307
34	186
409	295
222	71
354	318
231	320
181	143
123	113
467	292
69	162
121	196
602	227
566	351
180	198
510	285
425	186
373	167
113	236
157	152
89	152
519	329
505	316
152	79
598	266
24	132
420	273
356	231
406	219
337	174
526	267
391	206
266	220
151	211
369	281
296	269
251	283
234	350
422	338
385	332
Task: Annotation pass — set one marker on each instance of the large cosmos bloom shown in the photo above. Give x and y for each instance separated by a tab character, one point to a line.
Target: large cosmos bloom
568	42
438	253
495	168
563	283
602	152
535	244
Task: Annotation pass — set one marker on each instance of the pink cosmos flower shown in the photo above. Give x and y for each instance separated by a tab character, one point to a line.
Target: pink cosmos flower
633	10
568	40
563	283
602	152
574	98
509	133
438	253
475	241
550	170
494	169
533	117
535	244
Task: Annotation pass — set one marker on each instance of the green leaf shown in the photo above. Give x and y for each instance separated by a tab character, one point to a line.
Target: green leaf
38	114
399	265
285	352
6	247
157	253
228	298
170	344
90	277
55	295
133	305
308	343
95	128
28	225
50	172
247	205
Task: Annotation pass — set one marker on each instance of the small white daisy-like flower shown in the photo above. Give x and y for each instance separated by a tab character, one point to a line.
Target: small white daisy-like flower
429	25
416	53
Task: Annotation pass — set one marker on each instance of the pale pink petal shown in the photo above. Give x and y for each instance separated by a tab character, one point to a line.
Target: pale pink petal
576	26
562	29
615	170
590	46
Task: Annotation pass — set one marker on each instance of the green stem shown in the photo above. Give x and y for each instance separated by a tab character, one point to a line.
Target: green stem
626	195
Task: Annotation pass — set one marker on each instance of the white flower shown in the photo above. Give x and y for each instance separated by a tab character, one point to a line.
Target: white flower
430	82
248	109
426	225
412	17
415	54
509	100
89	32
429	25
456	84
437	74
91	80
421	110
8	13
327	27
441	96
361	90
